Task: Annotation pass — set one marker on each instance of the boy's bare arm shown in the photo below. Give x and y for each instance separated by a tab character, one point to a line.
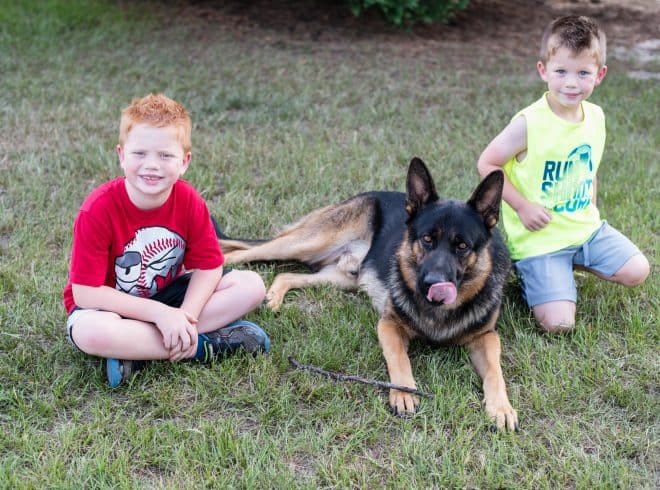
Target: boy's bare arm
109	299
200	288
511	142
177	326
506	145
594	197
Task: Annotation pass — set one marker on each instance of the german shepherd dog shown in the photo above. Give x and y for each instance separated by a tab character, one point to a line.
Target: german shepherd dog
433	268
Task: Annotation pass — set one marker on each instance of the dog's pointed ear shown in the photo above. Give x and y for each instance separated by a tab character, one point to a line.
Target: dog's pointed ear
420	187
487	197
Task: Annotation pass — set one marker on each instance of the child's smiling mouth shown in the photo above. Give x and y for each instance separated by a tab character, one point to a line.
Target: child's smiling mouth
151	179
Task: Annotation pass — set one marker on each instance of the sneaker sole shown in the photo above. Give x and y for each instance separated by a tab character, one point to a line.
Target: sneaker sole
113	371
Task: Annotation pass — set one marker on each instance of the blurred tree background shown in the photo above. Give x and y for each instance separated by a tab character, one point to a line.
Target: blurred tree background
408	12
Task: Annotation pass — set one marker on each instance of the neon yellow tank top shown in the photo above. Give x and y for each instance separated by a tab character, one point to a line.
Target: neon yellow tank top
558	172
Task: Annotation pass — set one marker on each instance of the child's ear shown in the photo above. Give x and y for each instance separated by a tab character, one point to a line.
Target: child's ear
540	67
186	163
601	74
120	153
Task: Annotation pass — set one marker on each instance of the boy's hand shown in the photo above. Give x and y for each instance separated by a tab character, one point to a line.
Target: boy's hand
178	329
177	352
533	216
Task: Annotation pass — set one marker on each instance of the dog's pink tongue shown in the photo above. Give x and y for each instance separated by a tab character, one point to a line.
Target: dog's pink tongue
442	292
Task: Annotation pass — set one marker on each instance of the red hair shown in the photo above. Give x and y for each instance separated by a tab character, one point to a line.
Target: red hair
159	111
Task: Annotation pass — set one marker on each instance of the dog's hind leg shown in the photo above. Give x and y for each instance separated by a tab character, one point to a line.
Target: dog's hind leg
296	245
330	274
230	245
317	239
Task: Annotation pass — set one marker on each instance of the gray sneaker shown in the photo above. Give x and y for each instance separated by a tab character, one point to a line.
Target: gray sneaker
224	341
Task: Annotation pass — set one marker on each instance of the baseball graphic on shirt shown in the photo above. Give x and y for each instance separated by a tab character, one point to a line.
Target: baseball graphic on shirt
152	259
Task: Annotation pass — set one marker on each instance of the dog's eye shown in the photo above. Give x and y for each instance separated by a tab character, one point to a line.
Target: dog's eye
426	241
462	247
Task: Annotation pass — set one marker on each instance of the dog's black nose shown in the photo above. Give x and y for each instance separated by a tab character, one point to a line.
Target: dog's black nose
433	278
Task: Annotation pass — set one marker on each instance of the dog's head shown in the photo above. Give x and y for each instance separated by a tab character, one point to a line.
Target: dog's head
449	239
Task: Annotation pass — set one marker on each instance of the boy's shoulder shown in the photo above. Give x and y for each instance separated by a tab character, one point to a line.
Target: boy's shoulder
538	106
184	190
107	191
593	109
185	186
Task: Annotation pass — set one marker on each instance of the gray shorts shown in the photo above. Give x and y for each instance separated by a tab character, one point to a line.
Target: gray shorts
549	277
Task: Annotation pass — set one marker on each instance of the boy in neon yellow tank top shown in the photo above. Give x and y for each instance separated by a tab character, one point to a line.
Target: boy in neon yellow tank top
550	153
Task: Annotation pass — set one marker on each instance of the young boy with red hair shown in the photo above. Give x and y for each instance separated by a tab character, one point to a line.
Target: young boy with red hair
146	279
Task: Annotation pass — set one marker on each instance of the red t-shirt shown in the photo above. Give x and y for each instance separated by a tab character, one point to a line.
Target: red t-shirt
140	251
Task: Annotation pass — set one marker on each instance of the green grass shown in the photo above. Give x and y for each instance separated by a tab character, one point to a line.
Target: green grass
280	128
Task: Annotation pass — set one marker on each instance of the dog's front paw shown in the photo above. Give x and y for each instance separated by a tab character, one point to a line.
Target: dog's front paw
402	403
502	414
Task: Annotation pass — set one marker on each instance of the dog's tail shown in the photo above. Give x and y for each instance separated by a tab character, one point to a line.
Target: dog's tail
230	244
218	230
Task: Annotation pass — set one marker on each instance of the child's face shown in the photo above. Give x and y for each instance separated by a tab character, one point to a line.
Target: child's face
153	160
571	78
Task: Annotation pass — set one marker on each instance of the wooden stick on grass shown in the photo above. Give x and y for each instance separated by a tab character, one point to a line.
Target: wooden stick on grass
347	377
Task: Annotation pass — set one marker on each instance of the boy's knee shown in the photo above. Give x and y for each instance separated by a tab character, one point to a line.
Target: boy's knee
89	340
634	272
555	317
254	287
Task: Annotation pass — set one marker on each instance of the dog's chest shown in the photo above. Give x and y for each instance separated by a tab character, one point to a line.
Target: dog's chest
374	287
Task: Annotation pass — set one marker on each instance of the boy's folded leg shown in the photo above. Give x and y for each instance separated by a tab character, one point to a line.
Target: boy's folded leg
226	340
119	371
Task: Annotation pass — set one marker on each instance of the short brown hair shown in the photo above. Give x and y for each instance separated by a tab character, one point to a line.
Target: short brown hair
577	33
159	111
